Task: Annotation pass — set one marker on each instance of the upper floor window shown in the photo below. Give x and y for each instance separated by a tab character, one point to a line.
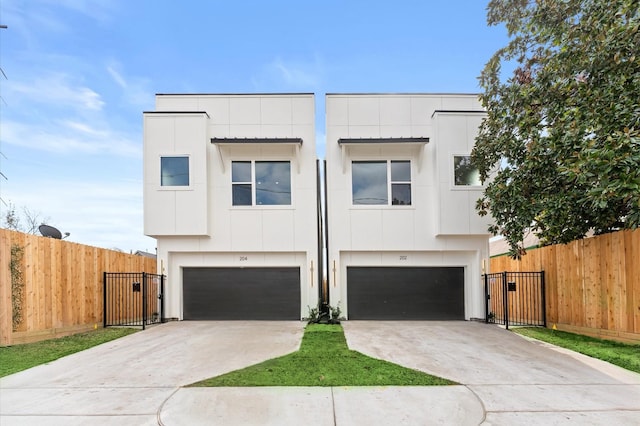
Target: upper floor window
174	171
465	173
266	183
381	182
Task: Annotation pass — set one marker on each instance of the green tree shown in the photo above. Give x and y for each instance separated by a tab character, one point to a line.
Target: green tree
560	147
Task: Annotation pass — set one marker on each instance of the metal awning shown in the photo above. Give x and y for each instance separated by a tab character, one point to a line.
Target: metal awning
419	142
296	142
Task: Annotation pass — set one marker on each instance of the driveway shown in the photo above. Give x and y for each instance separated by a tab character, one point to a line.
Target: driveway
126	381
518	380
137	380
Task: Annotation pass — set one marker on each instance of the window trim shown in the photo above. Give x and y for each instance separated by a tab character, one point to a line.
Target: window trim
175	187
390	183
452	174
253	204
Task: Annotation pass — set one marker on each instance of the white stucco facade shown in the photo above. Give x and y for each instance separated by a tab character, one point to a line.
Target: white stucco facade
196	224
440	227
205	159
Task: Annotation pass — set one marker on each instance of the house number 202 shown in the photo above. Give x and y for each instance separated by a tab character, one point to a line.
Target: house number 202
244	258
403	257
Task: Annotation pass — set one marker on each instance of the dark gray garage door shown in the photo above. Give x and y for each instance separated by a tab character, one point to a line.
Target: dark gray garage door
241	293
405	293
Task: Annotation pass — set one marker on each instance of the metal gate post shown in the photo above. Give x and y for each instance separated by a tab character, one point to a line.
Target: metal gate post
505	299
161	296
104	300
486	298
144	300
544	299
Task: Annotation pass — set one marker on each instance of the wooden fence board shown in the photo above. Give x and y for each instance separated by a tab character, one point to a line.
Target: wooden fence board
592	285
63	285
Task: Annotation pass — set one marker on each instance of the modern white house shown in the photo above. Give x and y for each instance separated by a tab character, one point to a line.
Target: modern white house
231	196
404	239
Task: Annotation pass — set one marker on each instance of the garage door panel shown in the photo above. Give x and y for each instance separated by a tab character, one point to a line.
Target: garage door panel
241	293
384	293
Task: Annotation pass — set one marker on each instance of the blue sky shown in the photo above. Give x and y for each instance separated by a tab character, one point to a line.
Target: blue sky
81	72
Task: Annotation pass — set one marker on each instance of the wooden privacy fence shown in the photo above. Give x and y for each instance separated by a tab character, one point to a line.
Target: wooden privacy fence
57	285
592	285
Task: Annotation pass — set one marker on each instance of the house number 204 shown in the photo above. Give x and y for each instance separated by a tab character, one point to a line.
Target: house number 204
403	257
244	258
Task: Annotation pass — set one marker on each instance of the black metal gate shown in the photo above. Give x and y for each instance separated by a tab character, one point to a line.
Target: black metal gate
515	298
133	299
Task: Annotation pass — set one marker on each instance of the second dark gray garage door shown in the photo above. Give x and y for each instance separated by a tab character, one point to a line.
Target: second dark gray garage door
384	293
241	293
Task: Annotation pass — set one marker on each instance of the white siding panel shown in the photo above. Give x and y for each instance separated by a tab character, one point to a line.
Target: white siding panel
244	110
395	111
246	230
303	110
364	111
337	111
398	230
366	229
277	230
275	110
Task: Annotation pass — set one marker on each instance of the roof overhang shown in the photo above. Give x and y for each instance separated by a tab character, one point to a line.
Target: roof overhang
418	142
295	142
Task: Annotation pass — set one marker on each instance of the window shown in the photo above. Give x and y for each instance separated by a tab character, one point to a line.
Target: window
261	183
174	171
371	185
465	173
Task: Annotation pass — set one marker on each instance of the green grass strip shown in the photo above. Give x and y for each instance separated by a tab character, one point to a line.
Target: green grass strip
324	360
621	354
21	357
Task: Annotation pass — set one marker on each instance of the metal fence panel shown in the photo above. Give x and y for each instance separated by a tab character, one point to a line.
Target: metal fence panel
515	298
133	299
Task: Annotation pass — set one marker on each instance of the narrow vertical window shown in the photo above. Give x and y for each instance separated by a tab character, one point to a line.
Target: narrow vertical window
401	183
174	171
241	183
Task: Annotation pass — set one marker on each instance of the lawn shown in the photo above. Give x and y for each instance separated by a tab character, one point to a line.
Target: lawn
21	357
621	354
324	360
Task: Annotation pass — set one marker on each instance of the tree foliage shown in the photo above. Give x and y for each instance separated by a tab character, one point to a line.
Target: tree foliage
560	147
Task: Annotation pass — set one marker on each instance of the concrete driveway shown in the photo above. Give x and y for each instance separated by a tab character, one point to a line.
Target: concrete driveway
518	380
138	380
126	381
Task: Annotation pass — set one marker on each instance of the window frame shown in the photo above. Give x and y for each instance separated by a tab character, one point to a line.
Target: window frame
452	174
187	187
390	183
254	204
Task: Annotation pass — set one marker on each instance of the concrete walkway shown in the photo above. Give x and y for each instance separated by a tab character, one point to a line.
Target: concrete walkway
138	380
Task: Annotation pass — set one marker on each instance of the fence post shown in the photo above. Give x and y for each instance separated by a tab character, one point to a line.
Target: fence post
162	318
104	300
505	299
543	292
144	300
486	298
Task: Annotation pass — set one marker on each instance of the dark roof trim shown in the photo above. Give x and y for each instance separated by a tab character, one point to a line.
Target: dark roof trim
458	111
346	141
177	112
237	94
257	140
401	94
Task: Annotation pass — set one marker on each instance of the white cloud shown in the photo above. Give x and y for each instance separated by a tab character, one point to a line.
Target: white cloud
58	90
70	137
291	75
117	77
135	90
